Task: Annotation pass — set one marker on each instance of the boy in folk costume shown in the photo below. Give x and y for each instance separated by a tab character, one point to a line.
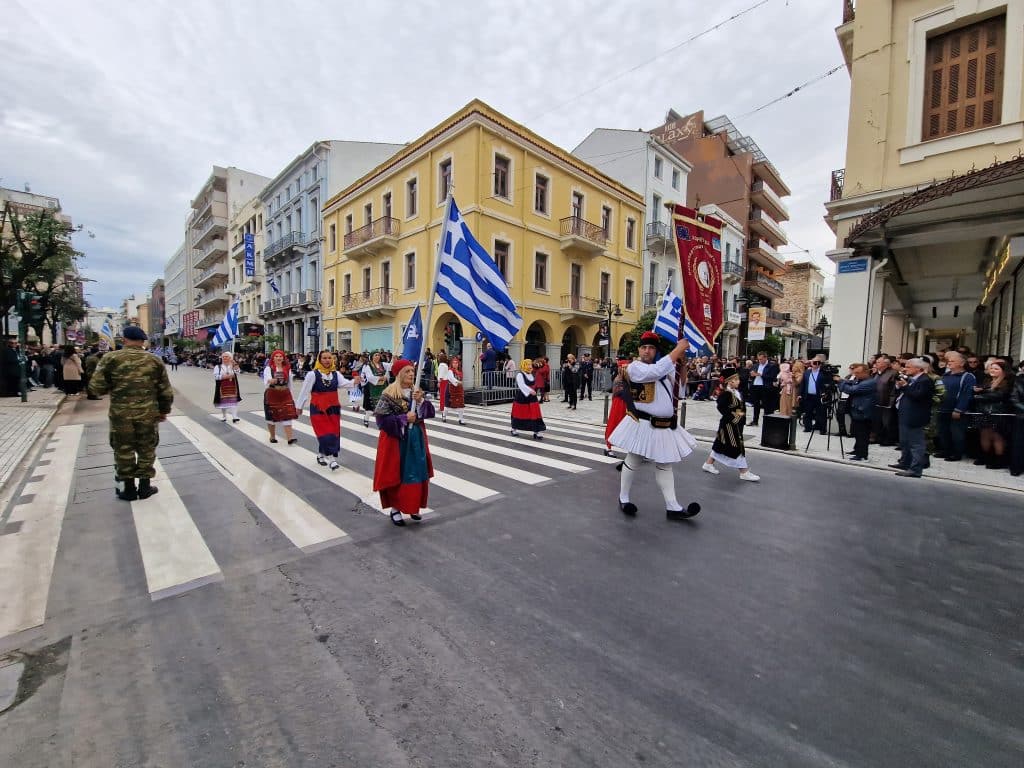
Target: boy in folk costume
278	405
320	390
403	468
450	393
728	446
226	394
526	413
650	430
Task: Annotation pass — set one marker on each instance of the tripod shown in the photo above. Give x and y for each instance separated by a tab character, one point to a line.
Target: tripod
828	401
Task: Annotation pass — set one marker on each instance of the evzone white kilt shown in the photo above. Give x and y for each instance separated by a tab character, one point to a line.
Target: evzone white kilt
662	446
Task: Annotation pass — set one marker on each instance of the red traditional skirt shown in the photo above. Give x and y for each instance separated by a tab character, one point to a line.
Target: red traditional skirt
278	404
527	416
615	414
451	396
325	418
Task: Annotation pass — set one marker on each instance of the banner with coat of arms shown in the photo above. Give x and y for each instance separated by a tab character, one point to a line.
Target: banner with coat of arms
698	240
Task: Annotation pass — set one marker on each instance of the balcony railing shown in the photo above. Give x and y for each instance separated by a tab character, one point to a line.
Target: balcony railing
203	227
583	304
760	219
732	268
652	300
299	299
849	11
658	230
838	177
778	317
385	226
217	270
577	232
762	193
291	240
375	298
762	279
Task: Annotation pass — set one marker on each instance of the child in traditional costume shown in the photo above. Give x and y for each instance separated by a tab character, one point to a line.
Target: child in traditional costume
450	394
403	468
320	390
728	446
375	377
278	405
226	394
526	413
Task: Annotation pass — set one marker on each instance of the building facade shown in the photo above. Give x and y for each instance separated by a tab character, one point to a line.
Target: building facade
731	171
176	291
803	301
293	250
156	311
733	303
247	288
95	317
924	264
565	236
206	238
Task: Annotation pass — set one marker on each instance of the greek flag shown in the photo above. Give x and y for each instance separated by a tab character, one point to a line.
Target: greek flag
106	333
472	284
273	285
666	325
228	329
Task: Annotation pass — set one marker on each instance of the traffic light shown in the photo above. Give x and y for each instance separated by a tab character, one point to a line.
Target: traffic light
32	308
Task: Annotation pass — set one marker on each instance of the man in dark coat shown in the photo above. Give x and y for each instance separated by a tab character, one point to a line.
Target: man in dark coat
586	377
763	378
813	384
861	407
914	392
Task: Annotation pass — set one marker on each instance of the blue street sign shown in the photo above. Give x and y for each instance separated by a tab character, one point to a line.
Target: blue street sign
853	265
250	255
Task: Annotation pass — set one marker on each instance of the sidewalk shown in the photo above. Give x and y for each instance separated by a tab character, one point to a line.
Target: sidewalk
21	423
702	423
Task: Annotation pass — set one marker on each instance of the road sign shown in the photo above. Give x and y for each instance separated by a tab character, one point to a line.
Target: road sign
853	265
479	336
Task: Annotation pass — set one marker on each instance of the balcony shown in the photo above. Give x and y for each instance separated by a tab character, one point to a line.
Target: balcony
653	300
578	234
776	319
849	11
285	246
766	227
732	272
210	299
376	302
210	254
298	302
212	318
761	284
377	236
205	206
836	190
201	230
581	307
761	252
763	195
659	235
731	320
238	249
215	276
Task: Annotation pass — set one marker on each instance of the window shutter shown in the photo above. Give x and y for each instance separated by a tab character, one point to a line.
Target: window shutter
963	88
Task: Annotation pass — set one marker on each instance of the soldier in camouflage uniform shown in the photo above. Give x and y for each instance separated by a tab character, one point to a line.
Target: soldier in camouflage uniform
140	398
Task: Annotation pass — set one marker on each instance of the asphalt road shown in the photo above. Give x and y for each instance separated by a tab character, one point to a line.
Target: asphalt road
827	616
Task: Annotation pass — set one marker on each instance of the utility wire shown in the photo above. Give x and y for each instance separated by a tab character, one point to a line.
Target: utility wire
793	92
644	63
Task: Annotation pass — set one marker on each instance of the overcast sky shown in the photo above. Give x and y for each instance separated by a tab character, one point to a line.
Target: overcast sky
121	108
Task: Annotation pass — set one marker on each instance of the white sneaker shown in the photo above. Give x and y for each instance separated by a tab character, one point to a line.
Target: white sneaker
749	476
710	468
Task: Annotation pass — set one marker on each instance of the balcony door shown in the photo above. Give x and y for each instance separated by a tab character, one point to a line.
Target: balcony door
577	205
576	285
385	277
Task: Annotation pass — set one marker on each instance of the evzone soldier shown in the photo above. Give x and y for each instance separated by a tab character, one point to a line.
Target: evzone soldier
650	430
320	390
450	394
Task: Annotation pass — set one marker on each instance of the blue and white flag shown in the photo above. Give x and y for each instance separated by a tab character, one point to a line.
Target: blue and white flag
472	284
106	333
666	325
228	329
412	339
273	285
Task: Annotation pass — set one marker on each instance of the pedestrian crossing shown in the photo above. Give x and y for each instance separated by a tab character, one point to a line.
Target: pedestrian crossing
230	501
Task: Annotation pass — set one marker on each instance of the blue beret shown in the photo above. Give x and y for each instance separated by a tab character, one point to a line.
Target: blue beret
134	333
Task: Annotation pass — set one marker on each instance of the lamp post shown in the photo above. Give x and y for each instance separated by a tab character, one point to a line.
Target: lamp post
610	310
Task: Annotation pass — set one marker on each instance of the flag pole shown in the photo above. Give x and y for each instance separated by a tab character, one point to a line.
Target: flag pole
681	362
433	285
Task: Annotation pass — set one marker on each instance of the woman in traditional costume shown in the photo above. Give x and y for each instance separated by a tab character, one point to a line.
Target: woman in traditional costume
374	378
403	468
526	413
226	394
278	405
451	395
728	446
320	390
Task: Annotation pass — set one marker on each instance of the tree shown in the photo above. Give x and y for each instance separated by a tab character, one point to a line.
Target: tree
631	341
62	303
771	346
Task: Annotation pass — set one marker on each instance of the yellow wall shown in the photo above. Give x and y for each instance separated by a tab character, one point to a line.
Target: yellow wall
471	148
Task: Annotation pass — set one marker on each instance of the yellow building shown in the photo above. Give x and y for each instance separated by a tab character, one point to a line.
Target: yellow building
566	237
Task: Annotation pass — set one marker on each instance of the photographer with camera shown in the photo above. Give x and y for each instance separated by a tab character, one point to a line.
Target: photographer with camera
863	395
914	391
816	389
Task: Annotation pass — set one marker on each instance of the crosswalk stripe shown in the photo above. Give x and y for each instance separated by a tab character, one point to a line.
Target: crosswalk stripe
439	435
343	477
27	556
306	528
444	480
174	555
554	426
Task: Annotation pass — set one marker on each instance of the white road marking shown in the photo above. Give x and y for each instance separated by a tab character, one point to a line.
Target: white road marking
27	556
304	526
174	555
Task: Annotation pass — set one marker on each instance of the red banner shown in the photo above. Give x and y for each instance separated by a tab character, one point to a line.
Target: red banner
699	245
188	323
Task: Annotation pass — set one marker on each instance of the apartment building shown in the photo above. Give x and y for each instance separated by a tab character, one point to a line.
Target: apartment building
733	302
155	310
206	238
730	170
293	238
566	237
927	213
176	292
804	298
247	223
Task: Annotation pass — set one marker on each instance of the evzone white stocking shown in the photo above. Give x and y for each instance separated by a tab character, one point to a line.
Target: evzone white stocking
629	467
666	480
231	410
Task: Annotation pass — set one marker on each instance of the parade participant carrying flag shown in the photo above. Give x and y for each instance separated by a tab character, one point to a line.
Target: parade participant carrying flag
666	325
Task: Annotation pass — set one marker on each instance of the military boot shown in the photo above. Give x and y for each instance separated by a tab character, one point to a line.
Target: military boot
128	492
145	489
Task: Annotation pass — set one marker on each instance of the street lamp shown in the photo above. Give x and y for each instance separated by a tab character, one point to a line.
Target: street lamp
610	310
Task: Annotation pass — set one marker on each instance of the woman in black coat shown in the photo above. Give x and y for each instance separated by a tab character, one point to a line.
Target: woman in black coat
1017	441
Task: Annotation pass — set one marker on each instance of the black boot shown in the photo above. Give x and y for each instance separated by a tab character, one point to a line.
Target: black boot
145	489
128	493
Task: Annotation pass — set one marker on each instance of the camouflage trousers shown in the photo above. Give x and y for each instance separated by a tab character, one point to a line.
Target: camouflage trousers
134	440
